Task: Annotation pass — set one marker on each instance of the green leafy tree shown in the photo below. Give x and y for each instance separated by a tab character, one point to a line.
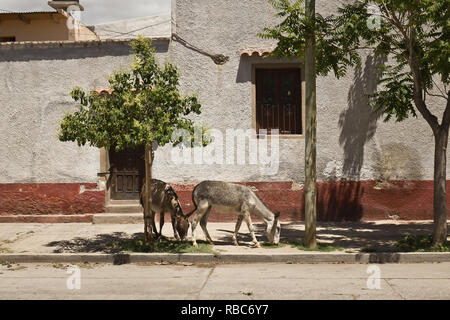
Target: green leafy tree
411	37
143	108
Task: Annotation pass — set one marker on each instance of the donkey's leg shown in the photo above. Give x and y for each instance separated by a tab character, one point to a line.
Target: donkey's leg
161	222
236	229
202	207
155	231
248	219
174	226
203	224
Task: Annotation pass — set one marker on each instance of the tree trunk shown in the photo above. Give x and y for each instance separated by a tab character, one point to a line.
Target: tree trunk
310	143
440	198
148	216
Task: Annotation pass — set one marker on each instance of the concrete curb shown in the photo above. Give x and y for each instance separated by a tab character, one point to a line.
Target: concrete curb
304	257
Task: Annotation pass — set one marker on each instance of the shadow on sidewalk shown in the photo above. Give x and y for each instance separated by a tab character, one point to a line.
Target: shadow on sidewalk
348	235
359	235
101	243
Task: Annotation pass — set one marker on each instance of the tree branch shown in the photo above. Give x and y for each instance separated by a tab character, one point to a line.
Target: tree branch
435	95
418	88
446	117
442	92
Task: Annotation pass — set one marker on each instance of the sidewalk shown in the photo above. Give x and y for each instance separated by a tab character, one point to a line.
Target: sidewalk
79	242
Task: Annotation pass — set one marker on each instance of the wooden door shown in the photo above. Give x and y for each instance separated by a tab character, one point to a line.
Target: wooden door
128	171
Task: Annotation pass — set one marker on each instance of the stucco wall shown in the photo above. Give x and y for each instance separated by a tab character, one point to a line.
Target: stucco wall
152	27
351	142
35	82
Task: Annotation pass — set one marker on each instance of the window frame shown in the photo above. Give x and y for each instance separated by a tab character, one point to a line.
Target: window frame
300	66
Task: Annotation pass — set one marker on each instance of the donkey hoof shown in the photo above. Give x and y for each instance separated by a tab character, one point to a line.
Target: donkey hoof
236	243
256	244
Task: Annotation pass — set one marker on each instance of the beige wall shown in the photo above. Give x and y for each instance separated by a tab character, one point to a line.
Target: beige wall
41	27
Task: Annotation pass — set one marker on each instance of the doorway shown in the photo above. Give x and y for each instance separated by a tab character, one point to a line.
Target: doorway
127	173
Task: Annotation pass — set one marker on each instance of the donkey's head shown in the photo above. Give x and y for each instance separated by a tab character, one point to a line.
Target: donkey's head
181	221
182	225
273	229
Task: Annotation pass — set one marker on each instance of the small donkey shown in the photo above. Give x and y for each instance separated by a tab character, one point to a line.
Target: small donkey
165	199
232	198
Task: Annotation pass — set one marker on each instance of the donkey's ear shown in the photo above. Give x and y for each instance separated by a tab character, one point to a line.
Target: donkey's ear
277	214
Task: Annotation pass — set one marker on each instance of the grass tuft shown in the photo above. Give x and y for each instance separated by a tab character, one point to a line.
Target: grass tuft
299	245
3	249
268	245
420	243
320	247
163	245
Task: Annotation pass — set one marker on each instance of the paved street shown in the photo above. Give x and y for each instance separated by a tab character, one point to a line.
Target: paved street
228	281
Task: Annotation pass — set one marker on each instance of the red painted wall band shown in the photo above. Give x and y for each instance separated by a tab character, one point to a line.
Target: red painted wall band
50	198
336	201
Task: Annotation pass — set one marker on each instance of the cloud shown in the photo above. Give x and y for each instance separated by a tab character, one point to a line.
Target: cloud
98	11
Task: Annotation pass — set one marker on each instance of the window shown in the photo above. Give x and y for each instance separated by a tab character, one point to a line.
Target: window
278	100
7	39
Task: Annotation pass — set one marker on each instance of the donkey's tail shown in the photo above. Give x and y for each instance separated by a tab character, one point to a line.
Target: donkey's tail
195	205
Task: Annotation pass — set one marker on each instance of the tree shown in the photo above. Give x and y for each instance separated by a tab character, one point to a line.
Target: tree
311	128
144	108
411	38
303	17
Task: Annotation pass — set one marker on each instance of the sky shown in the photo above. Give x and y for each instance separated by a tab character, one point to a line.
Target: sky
97	11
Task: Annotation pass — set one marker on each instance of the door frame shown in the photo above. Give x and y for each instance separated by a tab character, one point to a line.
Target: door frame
280	64
106	180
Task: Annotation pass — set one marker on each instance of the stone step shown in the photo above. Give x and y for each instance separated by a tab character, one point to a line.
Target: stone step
122	202
123	208
118	218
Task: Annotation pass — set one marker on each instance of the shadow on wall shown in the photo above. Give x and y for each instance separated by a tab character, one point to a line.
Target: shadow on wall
72	51
244	73
358	123
246	63
339	201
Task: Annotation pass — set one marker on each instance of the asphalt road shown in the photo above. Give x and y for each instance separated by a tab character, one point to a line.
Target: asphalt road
227	281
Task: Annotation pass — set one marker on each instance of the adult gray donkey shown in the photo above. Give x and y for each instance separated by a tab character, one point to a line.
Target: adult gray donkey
227	198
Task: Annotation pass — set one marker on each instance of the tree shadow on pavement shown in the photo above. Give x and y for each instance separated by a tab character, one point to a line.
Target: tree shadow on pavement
103	243
348	235
121	242
359	235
